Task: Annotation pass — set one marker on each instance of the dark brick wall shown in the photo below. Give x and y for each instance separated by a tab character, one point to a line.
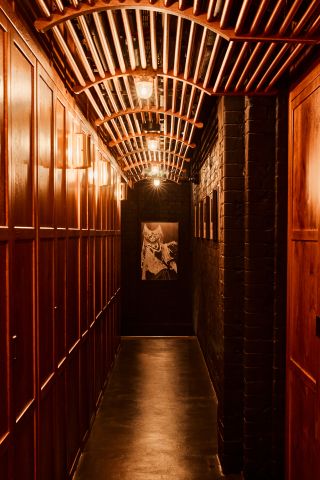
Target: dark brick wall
259	254
239	283
156	307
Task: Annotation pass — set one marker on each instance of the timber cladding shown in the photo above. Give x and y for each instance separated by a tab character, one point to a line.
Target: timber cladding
59	271
302	374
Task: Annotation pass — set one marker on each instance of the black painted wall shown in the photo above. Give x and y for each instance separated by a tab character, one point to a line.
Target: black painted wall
156	307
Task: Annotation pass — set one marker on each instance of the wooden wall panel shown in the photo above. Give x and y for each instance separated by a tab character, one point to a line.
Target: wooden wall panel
3	173
57	342
305	186
84	199
303	306
46	309
46	438
60	300
4	465
22	324
85	386
60	165
22	131
84	319
91	286
4	342
104	268
60	427
24	451
72	292
45	154
72	410
98	276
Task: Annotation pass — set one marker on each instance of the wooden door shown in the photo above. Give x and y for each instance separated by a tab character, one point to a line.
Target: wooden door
303	344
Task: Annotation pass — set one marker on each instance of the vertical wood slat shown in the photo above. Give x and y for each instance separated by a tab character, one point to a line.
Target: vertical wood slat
142	47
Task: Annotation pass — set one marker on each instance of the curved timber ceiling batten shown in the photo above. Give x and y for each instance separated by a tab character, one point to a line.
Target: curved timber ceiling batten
151	135
158	111
157	152
44	24
142	73
193	50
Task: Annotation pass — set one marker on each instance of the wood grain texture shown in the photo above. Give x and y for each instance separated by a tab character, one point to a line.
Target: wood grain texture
48	272
303	346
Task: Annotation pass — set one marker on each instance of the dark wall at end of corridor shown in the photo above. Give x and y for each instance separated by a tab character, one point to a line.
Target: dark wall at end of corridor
156	307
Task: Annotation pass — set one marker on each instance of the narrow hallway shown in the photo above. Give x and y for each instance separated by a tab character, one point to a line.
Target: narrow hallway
157	419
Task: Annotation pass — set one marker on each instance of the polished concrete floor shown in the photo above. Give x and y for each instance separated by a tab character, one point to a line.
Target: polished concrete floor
157	420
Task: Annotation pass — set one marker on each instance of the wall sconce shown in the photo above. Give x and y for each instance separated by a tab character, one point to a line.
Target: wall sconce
153	144
144	87
92	175
104	175
79	150
123	191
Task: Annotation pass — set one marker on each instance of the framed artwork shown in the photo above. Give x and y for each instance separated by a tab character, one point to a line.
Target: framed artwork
201	219
206	215
159	250
214	217
196	221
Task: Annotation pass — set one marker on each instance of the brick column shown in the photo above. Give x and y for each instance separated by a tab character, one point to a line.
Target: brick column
230	406
259	253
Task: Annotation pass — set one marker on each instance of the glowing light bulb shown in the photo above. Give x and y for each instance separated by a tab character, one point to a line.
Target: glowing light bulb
156	182
152	144
154	170
144	88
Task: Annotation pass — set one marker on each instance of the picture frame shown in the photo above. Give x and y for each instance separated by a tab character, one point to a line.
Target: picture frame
159	250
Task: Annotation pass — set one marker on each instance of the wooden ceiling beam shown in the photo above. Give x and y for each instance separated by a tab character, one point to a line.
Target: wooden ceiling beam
242	16
225	14
151	163
149	135
139	72
130	111
211	8
274	15
153	40
284	66
46	23
259	68
287	21
275	61
236	66
258	17
127	29
167	152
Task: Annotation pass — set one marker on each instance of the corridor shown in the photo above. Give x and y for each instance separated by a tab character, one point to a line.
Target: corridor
159	239
157	419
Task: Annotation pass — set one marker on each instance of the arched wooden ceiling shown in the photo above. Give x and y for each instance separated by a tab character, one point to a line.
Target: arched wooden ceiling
192	49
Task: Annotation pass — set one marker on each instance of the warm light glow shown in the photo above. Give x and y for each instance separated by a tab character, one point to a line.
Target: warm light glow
92	176
153	144
156	182
154	170
103	174
144	88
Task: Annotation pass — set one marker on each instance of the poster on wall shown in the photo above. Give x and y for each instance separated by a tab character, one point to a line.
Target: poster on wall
159	250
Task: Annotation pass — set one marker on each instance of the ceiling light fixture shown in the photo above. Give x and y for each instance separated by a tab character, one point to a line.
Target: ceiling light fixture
156	182
153	144
144	87
155	170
